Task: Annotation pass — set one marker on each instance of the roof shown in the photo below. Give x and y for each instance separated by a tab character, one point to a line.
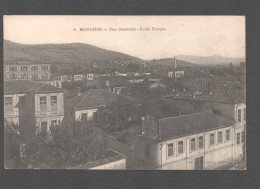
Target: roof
195	123
90	99
186	125
10	62
25	86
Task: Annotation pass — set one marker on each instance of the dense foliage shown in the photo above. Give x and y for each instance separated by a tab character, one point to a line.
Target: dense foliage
68	144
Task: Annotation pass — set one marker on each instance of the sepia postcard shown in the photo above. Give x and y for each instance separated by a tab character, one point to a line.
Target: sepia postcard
124	92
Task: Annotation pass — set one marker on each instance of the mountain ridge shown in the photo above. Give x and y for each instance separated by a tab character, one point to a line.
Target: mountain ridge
210	60
77	53
85	54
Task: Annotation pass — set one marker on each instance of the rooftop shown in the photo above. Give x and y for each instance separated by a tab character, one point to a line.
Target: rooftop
185	125
9	62
24	86
93	98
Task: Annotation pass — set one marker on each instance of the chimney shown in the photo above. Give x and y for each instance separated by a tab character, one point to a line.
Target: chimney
142	127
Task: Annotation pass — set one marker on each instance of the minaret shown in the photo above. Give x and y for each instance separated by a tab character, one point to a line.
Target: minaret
175	63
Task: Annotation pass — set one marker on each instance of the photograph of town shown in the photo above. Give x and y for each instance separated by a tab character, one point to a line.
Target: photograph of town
124	92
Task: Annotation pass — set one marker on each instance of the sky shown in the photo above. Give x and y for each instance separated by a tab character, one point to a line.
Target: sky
180	35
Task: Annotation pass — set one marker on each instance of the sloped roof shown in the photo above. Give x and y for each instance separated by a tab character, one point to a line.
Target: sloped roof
24	86
95	98
186	125
90	99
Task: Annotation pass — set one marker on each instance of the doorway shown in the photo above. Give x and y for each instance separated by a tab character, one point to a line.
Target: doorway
199	163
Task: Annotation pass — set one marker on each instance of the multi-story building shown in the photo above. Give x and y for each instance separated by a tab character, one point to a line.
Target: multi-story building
39	105
26	71
203	140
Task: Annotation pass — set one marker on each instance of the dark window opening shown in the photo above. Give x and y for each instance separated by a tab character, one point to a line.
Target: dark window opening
170	150
180	147
201	142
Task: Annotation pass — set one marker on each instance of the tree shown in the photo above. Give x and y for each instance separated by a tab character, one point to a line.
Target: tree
68	144
119	112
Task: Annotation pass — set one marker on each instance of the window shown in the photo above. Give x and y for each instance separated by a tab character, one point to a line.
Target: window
23	76
43	104
54	122
13	68
147	150
192	144
201	142
44	67
180	147
243	136
84	117
35	76
244	114
54	105
170	150
239	115
220	137
34	68
44	126
227	135
8	103
24	68
13	76
212	139
238	138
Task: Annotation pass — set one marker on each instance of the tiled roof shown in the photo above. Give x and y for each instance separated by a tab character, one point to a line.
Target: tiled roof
192	124
94	98
24	86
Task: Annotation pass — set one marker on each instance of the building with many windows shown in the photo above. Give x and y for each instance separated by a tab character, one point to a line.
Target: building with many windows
203	140
26	71
39	105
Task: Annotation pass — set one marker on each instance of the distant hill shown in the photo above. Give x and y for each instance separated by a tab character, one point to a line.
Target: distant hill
170	62
72	53
210	60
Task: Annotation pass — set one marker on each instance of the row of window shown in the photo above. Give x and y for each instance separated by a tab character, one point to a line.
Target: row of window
27	68
45	123
212	140
27	76
43	103
197	143
171	148
239	115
